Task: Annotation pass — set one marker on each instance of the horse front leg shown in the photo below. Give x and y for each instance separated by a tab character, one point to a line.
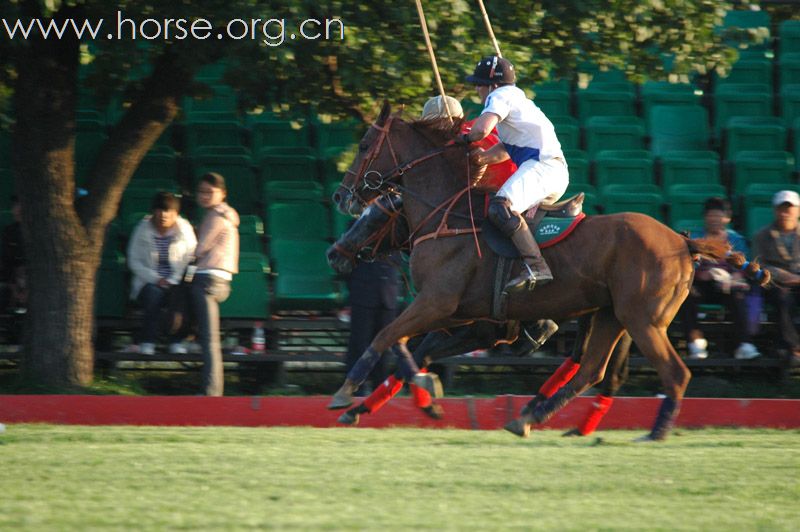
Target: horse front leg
425	313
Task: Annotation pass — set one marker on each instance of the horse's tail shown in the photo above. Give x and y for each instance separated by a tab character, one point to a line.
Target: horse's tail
718	250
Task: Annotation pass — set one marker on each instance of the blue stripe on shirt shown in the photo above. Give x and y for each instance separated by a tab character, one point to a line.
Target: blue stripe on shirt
520	154
162	246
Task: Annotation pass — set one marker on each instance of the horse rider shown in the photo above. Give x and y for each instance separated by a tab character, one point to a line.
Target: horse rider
529	139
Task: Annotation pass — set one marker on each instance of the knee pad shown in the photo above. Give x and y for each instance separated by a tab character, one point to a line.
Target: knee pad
501	215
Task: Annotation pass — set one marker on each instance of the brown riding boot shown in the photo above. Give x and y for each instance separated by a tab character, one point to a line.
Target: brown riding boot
536	271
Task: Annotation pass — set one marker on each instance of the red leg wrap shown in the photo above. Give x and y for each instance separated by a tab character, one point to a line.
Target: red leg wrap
563	374
598	409
388	389
422	399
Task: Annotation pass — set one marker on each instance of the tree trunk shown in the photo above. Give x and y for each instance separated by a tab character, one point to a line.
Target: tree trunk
64	237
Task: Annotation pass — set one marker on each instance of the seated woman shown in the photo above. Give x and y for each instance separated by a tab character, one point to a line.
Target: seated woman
161	247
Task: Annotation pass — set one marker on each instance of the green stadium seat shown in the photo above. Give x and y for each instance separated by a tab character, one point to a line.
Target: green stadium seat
220	104
757	218
304	280
605	103
608	75
754	133
89	139
157	166
789	69
280	134
111	288
623	201
614	133
612	86
687	167
336	137
760	194
761	167
578	164
283	191
664	93
590	202
749	71
130	221
790	103
796	136
249	298
691	225
138	197
205	133
298	220
552	102
740	99
240	180
746	29
567	131
788	37
288	167
628	167
212	73
678	127
251	233
686	200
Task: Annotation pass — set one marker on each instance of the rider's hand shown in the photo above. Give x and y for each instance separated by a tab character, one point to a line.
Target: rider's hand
463	139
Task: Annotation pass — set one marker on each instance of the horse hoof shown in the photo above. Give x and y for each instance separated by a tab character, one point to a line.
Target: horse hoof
344	397
349	418
430	383
518	427
647	438
571	433
434	411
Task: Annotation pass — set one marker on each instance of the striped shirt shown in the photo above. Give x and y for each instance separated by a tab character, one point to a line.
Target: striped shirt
162	246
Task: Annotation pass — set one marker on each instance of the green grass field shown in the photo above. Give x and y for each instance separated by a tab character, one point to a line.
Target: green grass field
150	478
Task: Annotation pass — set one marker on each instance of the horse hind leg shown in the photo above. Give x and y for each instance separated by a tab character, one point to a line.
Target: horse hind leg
604	333
656	347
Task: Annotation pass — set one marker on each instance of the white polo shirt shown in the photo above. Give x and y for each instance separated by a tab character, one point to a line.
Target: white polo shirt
523	128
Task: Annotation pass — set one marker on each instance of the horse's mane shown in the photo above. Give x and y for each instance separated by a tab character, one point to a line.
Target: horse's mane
439	130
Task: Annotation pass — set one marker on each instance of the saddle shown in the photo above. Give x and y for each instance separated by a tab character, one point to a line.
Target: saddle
550	224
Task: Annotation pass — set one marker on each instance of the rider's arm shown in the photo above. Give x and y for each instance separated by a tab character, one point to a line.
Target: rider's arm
482	127
495	154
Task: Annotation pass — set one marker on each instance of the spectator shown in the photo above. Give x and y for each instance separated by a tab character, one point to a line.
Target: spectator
161	247
717	282
12	272
217	260
778	246
373	287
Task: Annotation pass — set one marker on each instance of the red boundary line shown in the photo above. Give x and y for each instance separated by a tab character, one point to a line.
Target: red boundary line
463	413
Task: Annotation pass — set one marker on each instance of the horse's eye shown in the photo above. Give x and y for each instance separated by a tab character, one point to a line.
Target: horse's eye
363	146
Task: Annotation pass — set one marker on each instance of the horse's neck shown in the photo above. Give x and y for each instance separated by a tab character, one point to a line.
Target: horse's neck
433	187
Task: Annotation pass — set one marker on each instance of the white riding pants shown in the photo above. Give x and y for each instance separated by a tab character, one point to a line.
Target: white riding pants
536	182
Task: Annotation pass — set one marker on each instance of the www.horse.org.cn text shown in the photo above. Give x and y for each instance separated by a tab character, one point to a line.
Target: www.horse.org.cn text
270	31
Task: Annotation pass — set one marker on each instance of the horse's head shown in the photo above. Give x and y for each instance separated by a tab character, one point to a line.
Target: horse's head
386	151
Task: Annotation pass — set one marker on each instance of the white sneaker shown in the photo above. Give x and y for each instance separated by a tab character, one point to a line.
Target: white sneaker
698	349
746	351
147	348
177	348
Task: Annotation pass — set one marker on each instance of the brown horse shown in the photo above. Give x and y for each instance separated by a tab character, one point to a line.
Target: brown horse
627	270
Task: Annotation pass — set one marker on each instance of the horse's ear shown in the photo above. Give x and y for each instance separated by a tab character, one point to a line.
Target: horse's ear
385	112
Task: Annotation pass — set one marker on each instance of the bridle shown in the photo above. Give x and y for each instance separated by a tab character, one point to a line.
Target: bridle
370	179
364	181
